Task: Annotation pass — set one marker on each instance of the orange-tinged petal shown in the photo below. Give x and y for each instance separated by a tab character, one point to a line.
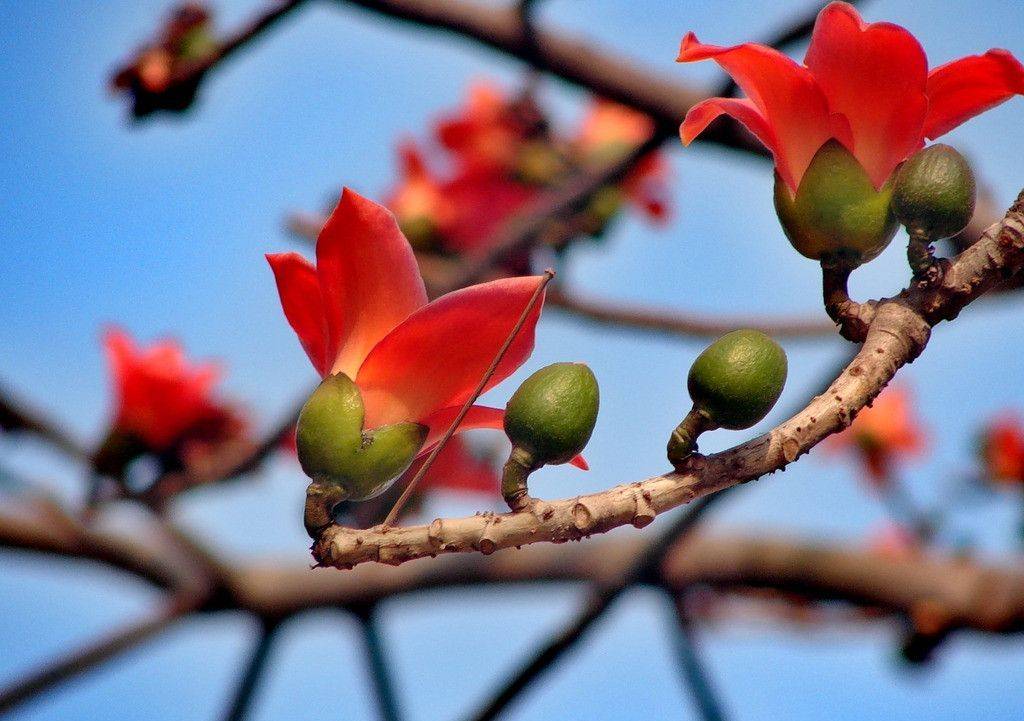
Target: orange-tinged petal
369	280
701	115
874	75
438	355
959	90
299	288
783	91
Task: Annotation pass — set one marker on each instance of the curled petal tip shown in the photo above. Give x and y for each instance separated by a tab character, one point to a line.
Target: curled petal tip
689	40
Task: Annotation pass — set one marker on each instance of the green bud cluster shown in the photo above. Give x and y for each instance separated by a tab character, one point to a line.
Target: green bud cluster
837	216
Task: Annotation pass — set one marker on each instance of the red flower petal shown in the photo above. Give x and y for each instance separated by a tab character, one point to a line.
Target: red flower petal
369	280
783	91
436	357
875	76
959	90
743	110
299	288
477	417
458	469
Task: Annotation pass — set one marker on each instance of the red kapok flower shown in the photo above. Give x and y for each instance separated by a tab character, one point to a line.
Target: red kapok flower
162	401
882	433
1002	450
608	132
363	311
864	85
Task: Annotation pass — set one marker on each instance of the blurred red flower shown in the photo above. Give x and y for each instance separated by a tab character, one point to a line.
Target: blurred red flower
866	85
894	541
165	404
609	132
1002	450
498	153
882	434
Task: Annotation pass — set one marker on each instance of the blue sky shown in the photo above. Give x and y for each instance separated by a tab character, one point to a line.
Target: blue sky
162	228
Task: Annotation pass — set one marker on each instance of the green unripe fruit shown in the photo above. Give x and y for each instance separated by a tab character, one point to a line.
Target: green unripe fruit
333	447
934	192
552	414
836	212
738	378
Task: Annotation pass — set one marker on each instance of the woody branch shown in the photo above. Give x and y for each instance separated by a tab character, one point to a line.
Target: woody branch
971	595
897	330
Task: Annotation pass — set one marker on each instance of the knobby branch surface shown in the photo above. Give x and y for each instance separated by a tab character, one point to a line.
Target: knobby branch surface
896	334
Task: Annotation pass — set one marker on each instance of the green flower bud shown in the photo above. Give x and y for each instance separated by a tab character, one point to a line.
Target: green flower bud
934	192
738	378
551	415
333	447
836	213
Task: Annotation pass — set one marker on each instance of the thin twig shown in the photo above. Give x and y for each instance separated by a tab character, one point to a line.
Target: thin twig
645	568
523	228
695	676
15	415
380	668
679	324
407	493
92	655
251	676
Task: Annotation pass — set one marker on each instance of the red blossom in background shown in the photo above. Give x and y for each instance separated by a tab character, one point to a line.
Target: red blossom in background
484	135
499	155
362	310
610	131
882	434
865	85
1002	450
166	404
